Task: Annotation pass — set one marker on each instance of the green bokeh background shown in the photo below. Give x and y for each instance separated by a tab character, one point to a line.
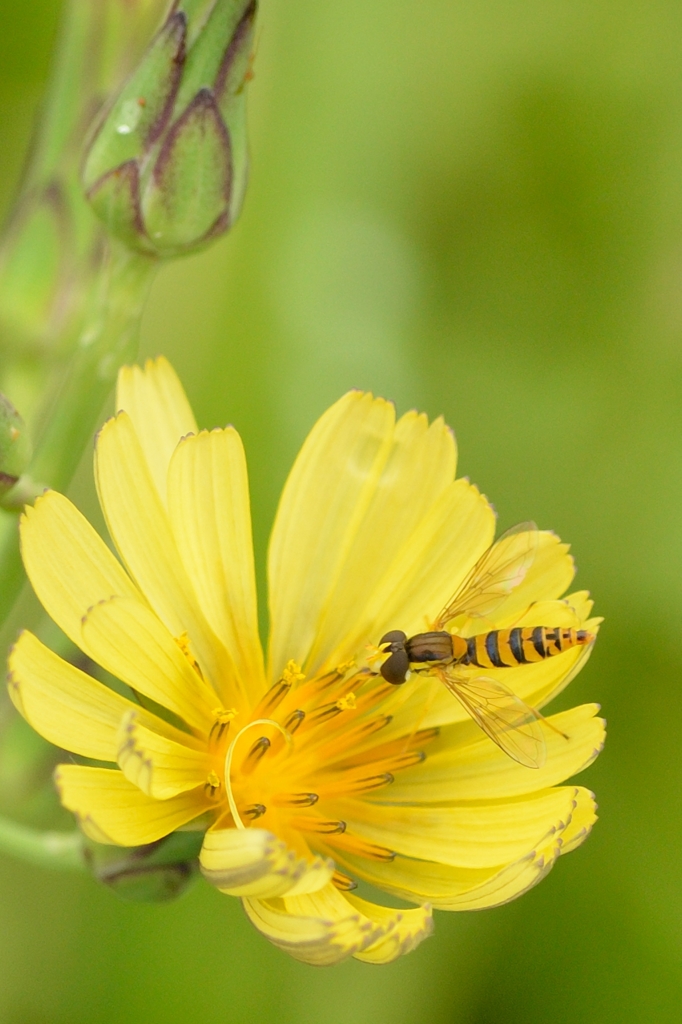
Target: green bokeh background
474	209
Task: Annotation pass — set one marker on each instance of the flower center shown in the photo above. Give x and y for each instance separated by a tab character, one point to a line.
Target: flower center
312	748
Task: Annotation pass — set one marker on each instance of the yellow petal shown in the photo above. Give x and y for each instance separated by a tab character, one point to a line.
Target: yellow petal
369	512
252	862
463	764
139	526
507	885
319	929
70	708
159	766
208	501
581	604
547	579
63	704
516	879
451	887
323	502
128	640
405	929
384	521
68	564
110	809
415	583
580	825
474	835
155	400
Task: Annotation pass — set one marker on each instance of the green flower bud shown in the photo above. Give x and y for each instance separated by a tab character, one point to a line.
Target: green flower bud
15	445
166	169
155	873
51	248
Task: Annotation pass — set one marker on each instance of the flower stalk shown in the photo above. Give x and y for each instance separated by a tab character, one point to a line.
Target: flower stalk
61	850
109	338
69	302
153	873
164	170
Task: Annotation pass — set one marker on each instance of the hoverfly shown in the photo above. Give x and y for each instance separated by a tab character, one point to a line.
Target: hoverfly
503	716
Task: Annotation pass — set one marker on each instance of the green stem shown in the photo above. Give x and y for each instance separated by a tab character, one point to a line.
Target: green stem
108	340
61	850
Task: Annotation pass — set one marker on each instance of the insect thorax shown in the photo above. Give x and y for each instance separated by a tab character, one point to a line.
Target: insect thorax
432	647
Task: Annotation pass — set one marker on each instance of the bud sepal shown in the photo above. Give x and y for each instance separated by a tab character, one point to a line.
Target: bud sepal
155	873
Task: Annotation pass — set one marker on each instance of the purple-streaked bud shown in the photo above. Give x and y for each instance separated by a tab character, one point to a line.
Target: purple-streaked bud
166	169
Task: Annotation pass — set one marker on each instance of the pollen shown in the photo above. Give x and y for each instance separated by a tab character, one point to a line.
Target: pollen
347	703
224	715
183	643
292	674
221	724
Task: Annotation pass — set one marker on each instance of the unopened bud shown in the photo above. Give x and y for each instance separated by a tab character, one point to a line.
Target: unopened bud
166	170
15	445
154	873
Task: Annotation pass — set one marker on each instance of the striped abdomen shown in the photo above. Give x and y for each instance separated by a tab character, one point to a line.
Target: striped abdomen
506	648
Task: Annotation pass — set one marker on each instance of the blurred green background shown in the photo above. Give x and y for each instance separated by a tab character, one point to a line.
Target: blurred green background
475	209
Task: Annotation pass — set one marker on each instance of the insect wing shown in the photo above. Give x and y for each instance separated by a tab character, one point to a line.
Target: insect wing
502	715
502	568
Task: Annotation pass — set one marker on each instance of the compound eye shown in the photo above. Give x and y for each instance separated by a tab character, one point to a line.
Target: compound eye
394	636
395	669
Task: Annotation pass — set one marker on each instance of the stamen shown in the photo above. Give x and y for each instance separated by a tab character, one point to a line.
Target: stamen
292	674
295	799
309	693
374	653
273	698
358	703
230	754
212	784
347	703
319	826
345	667
333	676
347	783
255	811
387	753
344	781
375	725
258	750
361	848
408	760
324	713
350	738
294	720
343	882
223	717
371	782
183	643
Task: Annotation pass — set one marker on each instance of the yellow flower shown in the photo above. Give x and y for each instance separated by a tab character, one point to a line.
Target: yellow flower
312	772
